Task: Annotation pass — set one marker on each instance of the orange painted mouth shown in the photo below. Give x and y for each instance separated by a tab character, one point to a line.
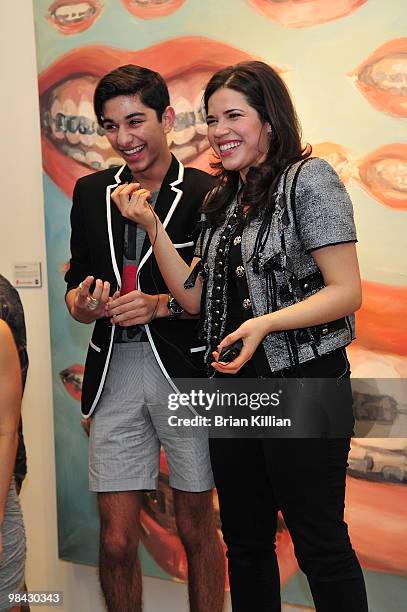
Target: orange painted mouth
73	143
336	155
72	379
374	364
382	320
383	174
303	13
376	514
74	16
382	78
149	9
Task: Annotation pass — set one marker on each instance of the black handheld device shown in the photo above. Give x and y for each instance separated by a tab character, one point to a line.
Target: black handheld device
229	353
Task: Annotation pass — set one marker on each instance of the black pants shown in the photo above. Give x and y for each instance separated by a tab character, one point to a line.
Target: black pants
305	479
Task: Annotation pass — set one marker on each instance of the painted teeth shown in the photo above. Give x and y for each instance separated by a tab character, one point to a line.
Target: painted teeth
230	145
74	13
86	127
68	120
72	120
111	162
94	160
200	120
184	123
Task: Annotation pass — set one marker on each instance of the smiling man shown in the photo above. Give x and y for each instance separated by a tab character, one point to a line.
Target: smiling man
141	341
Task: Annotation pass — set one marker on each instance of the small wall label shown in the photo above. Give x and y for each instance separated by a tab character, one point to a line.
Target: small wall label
27	275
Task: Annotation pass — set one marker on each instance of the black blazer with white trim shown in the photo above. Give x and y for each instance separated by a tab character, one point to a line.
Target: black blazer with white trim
97	249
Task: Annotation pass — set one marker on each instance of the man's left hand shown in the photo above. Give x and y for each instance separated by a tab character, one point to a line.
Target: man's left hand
136	308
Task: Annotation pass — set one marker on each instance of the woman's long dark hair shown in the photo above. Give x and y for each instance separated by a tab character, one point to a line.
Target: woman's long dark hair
267	93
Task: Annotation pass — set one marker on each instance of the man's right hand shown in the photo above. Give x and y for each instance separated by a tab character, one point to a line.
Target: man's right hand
133	203
86	307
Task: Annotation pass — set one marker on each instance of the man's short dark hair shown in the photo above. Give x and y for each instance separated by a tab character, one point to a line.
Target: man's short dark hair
132	80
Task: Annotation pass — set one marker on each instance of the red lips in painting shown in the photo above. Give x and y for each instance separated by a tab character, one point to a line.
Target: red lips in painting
336	155
73	16
303	13
382	78
74	145
72	379
383	174
149	9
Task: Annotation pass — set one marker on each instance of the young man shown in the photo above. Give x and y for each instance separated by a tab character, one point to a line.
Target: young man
136	350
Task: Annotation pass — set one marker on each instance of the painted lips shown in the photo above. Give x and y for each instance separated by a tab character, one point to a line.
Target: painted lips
74	145
382	320
149	9
382	78
72	379
74	16
303	13
376	514
382	173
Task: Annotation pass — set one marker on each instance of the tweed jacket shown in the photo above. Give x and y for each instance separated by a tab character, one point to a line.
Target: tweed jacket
97	250
312	210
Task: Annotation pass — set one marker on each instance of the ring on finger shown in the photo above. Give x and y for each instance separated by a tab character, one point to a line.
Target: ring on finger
80	285
93	303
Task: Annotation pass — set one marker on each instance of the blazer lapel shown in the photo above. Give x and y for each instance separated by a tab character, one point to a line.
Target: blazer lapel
115	225
167	201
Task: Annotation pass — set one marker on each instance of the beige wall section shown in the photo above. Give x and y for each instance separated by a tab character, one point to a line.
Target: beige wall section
22	239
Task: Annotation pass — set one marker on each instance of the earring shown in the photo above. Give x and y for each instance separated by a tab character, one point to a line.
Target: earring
268	128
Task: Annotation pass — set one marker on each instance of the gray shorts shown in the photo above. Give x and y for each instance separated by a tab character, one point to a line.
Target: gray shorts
13	561
130	424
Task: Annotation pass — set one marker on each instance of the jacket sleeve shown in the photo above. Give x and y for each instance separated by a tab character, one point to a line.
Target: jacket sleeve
79	264
323	208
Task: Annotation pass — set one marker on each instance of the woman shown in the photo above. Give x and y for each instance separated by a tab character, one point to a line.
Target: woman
279	242
12	537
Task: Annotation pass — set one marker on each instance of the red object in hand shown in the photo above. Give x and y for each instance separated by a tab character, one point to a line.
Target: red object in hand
128	279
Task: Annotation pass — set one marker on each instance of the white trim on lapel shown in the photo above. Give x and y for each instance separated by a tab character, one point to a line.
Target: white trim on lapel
119	283
178	195
103	377
109	225
162	366
118	173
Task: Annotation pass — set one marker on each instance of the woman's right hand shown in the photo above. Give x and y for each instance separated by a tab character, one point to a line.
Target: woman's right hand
251	332
133	203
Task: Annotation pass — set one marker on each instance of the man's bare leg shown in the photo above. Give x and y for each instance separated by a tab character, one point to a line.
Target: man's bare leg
119	566
196	524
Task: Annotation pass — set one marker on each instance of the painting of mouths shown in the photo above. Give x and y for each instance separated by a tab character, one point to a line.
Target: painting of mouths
73	143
